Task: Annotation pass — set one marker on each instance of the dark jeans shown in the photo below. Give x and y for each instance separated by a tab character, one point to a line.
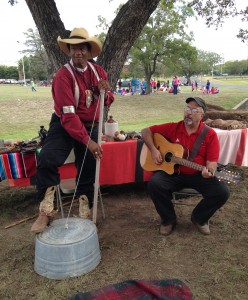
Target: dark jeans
215	193
57	146
175	89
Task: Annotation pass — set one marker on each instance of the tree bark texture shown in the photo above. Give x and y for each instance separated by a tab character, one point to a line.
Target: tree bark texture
125	29
50	26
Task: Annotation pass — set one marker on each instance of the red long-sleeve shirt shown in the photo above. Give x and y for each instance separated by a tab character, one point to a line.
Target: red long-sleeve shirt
63	88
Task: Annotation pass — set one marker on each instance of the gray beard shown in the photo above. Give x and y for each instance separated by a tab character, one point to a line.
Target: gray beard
188	121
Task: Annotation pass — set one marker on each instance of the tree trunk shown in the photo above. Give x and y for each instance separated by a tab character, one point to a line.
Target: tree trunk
125	29
123	32
50	26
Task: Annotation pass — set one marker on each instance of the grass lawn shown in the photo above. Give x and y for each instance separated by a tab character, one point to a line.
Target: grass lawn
23	111
214	267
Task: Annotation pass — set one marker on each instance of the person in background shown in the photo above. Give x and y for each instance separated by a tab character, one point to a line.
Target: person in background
196	85
192	86
143	87
120	84
161	185
208	87
33	86
168	84
134	84
74	124
175	85
158	85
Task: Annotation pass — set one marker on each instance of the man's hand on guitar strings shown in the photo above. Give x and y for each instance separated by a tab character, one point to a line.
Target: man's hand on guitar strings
157	157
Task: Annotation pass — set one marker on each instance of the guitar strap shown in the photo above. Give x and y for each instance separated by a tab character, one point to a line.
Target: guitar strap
198	142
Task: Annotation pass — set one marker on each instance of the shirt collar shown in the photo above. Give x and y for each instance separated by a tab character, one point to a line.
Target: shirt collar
79	69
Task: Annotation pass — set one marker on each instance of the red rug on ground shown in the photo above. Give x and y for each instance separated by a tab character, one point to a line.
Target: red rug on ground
172	289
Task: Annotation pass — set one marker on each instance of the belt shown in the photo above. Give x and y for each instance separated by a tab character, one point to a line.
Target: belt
91	124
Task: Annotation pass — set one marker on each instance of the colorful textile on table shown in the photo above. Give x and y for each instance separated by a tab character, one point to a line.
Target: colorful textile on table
3	175
17	165
172	289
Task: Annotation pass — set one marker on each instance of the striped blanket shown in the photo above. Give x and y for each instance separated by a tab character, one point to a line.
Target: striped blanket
17	165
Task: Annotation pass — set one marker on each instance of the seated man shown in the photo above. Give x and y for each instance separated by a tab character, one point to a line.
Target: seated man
161	185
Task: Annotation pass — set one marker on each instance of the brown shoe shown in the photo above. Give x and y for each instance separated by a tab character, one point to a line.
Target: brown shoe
41	223
166	229
203	229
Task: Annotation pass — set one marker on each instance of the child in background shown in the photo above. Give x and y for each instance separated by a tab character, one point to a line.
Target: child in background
192	86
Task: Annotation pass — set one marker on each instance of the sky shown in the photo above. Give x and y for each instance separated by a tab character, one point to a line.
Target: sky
15	20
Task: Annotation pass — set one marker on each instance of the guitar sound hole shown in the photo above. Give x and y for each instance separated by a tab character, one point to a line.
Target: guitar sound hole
167	157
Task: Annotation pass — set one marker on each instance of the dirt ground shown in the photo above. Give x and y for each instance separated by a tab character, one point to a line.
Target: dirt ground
214	267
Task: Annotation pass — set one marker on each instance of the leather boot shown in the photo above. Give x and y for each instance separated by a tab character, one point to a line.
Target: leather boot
84	210
47	204
46	211
41	223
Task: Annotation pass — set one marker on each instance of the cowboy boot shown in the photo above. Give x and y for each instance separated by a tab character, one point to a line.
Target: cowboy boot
46	211
84	210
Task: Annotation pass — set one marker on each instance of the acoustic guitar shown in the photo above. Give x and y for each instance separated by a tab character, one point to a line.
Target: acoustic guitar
172	155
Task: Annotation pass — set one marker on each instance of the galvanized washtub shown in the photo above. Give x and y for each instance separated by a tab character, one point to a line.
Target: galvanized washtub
62	252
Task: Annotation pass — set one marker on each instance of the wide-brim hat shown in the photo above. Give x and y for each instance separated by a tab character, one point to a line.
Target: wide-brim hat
78	36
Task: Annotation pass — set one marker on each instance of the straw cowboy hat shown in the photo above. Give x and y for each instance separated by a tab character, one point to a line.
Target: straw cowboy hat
78	36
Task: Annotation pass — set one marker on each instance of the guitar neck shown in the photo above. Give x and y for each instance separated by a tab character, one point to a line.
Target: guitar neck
186	163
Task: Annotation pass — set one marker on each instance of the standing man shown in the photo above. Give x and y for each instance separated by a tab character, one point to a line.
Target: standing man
119	84
134	84
74	124
161	186
33	86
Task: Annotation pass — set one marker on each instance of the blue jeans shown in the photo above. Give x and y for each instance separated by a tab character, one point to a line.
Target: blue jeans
161	186
175	89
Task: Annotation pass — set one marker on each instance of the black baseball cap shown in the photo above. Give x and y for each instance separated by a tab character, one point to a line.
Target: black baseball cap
199	101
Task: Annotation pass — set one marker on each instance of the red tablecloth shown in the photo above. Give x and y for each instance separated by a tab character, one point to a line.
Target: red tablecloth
119	164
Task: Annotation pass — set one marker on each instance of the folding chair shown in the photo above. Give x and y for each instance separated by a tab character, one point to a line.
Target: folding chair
186	192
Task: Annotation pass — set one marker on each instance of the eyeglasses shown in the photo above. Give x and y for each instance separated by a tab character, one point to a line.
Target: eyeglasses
193	110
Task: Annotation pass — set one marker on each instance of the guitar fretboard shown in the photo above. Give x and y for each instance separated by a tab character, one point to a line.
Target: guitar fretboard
186	163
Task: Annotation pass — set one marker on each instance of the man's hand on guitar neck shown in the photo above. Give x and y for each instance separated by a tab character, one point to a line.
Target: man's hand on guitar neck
209	170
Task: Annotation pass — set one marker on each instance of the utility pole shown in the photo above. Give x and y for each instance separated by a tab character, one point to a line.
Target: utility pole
23	68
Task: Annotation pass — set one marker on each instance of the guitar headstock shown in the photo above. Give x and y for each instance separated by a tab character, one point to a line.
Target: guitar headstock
228	176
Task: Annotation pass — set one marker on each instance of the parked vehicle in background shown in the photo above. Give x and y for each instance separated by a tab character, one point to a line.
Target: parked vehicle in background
13	81
27	82
10	81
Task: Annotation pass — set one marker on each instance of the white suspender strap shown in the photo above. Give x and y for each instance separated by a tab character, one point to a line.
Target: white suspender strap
76	92
94	70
